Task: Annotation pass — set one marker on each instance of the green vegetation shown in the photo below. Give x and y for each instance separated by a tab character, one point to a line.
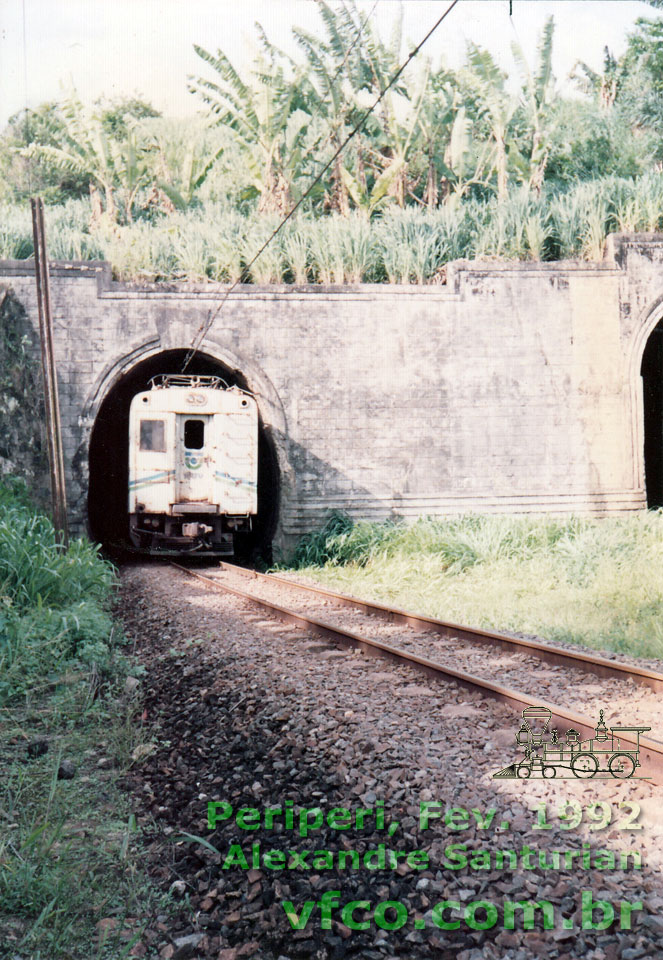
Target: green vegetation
402	246
465	163
22	443
594	582
68	854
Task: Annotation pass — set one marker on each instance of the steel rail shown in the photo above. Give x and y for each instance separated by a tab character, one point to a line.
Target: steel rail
559	656
651	752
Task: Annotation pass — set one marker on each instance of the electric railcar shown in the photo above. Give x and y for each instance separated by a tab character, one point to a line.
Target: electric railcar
193	465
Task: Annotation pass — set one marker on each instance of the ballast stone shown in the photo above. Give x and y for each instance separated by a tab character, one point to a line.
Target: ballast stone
186	946
66	770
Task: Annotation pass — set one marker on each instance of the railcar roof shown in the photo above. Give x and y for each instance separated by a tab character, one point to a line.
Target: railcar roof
193	401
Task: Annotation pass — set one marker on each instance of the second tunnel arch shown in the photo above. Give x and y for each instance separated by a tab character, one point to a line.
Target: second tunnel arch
651	371
108	416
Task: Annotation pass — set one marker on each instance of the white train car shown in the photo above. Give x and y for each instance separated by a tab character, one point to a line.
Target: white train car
193	465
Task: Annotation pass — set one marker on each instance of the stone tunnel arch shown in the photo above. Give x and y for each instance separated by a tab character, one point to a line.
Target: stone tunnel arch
108	456
651	370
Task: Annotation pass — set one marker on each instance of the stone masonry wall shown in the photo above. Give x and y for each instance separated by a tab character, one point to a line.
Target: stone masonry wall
513	388
22	433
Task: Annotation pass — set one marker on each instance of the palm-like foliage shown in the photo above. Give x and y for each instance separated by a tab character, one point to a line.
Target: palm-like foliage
264	118
537	94
602	86
323	89
19	178
181	156
396	131
444	140
347	69
114	167
487	81
467	161
435	122
402	114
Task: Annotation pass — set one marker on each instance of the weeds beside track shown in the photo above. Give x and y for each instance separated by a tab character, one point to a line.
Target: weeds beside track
68	857
577	580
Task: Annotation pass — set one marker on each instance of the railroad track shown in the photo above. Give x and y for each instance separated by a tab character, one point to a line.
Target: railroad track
651	751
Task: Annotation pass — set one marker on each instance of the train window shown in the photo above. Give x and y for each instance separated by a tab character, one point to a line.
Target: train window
194	434
153	435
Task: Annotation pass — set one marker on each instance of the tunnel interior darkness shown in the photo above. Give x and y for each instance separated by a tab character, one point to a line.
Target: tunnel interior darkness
109	456
652	391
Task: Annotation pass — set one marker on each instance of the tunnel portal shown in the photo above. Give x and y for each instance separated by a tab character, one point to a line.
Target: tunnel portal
652	392
109	456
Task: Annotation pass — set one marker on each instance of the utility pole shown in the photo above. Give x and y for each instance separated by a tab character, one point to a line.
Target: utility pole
53	425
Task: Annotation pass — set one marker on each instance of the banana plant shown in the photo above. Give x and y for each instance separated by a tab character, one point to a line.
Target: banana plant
182	157
601	86
487	82
336	71
265	120
347	66
537	95
402	114
113	167
454	159
435	123
369	200
395	137
467	162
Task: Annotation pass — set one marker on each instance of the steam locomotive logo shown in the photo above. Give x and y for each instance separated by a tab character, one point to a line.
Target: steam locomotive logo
605	754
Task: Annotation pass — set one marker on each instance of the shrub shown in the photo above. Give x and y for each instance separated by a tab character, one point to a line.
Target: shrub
52	600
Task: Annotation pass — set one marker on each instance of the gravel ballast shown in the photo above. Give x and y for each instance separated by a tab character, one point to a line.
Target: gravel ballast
251	713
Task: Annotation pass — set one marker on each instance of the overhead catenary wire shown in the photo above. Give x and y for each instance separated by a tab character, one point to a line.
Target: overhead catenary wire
207	325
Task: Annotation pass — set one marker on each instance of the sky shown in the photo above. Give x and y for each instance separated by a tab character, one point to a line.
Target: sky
116	48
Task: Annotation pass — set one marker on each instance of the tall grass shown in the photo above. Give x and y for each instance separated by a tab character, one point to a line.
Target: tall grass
295	244
35	570
326	248
268	267
581	580
15	233
66	853
52	601
225	239
411	245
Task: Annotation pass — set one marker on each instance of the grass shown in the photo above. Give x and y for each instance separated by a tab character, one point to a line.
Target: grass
585	581
69	854
411	245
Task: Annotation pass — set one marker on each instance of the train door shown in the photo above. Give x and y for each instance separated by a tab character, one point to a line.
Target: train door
195	460
150	466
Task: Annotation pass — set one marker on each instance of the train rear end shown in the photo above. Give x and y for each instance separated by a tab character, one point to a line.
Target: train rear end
193	465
